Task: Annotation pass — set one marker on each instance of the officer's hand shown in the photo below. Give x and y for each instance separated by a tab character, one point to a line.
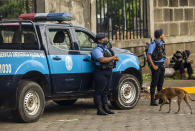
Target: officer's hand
115	58
155	67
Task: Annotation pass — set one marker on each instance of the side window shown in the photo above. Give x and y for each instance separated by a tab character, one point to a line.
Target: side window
85	40
29	38
60	38
11	38
6	36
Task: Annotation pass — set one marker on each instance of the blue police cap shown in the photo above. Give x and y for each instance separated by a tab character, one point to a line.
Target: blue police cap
100	36
158	33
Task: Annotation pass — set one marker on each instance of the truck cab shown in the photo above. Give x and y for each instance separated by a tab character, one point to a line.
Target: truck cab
42	61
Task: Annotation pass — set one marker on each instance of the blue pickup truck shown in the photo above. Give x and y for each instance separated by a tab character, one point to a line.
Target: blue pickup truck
42	61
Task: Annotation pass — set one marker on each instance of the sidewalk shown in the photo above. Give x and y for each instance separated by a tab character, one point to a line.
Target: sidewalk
187	85
174	83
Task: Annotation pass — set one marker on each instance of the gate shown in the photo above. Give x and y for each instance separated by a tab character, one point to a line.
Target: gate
11	9
122	19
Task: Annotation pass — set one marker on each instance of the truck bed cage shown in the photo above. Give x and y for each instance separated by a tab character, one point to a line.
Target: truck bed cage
20	29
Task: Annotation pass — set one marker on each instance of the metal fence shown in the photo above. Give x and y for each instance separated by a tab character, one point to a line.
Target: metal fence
122	19
10	9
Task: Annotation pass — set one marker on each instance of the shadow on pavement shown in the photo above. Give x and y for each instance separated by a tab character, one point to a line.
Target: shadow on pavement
6	116
69	109
79	108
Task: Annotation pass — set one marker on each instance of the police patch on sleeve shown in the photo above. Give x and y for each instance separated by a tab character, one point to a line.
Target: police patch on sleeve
69	63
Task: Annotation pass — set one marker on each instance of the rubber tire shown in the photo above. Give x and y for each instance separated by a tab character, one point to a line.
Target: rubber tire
19	114
117	102
65	102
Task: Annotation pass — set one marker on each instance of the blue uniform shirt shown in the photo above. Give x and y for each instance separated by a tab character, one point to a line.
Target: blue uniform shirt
98	52
151	48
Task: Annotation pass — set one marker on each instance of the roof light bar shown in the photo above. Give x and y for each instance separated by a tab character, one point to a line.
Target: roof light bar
27	16
41	17
59	16
46	17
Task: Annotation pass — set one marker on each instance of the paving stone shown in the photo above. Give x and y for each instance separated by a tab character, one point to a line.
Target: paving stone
82	117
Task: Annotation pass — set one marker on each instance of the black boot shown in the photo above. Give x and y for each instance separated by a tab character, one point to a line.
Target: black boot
107	109
100	110
153	102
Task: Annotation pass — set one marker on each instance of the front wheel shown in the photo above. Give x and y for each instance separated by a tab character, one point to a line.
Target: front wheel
127	94
30	102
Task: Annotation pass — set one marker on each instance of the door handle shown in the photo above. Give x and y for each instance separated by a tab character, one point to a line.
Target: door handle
56	58
86	60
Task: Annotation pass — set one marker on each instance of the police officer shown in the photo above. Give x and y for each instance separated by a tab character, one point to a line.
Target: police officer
103	64
156	58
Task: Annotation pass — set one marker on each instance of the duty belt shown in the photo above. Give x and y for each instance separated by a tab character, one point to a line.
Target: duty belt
100	68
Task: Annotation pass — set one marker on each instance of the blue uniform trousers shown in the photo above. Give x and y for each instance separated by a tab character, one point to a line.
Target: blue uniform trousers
102	79
157	78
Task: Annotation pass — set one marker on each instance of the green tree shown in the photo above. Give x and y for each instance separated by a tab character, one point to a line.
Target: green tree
119	10
13	8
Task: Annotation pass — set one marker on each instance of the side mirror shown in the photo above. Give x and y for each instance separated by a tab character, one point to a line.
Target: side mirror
93	42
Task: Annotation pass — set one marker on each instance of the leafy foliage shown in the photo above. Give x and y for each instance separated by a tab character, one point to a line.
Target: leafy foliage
119	10
13	8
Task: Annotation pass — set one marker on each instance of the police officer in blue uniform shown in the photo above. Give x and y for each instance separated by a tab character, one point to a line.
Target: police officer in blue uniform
104	60
156	57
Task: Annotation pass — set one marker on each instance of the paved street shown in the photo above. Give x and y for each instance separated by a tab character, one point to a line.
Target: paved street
82	117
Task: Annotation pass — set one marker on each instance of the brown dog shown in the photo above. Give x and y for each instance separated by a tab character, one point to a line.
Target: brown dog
169	93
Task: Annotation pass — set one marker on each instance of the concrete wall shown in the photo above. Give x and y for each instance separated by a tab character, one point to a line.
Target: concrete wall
82	11
177	19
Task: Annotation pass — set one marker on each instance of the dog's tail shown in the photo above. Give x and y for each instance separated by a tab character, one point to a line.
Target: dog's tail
190	97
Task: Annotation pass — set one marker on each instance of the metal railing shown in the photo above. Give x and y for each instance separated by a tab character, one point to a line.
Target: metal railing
122	19
11	9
